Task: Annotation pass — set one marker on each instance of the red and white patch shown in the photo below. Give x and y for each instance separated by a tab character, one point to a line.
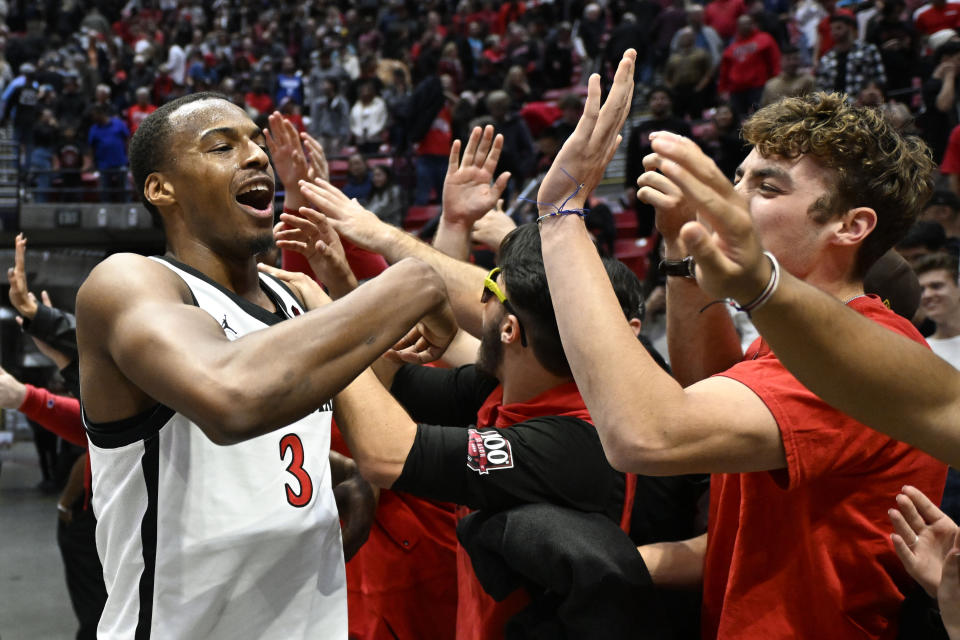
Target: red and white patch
487	451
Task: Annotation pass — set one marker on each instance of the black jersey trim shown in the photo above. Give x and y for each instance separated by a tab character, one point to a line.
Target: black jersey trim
150	463
252	309
120	433
283	285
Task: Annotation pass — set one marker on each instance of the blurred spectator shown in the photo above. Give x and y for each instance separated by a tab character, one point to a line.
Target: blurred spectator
704	37
720	139
516	86
850	64
722	15
386	199
791	82
396	96
177	56
258	98
202	73
330	117
590	30
368	118
69	161
359	183
631	32
20	104
944	209
140	110
807	15
871	95
748	63
897	42
433	149
450	64
923	239
518	156
941	99
46	134
141	74
688	74
638	146
937	15
558	58
289	82
824	36
571	107
107	140
665	26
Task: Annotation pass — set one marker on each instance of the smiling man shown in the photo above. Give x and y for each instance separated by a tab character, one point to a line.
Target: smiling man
207	403
797	542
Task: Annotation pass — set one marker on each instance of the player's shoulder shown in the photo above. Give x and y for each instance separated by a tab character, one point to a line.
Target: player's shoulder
129	277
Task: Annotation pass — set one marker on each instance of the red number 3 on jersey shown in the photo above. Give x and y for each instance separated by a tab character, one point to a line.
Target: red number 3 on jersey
295	468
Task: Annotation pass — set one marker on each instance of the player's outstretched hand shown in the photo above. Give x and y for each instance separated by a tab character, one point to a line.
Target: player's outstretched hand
923	536
347	217
468	190
428	340
585	155
310	292
20	297
12	391
311	235
729	257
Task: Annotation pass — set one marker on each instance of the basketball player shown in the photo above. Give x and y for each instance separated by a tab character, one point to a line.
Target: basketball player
208	414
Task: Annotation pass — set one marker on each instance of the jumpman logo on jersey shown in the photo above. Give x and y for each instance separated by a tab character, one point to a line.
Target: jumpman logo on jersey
227	327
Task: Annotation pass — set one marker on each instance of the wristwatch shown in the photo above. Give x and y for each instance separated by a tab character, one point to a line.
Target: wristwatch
685	268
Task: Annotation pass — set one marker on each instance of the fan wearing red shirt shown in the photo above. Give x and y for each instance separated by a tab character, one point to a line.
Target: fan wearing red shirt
797	543
747	64
937	15
140	109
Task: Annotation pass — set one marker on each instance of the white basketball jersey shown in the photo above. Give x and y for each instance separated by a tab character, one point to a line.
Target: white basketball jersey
199	540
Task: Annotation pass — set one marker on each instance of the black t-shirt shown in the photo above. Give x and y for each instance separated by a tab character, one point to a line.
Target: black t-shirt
553	459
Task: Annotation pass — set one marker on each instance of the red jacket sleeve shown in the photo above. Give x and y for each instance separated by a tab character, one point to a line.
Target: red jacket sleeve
59	414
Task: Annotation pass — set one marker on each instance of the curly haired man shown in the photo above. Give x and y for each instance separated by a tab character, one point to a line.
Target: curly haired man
797	544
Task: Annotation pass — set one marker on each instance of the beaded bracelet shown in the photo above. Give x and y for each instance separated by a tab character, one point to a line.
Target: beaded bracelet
560	211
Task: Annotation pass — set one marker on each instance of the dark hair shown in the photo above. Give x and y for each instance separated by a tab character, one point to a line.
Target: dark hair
521	263
936	261
149	146
628	288
925	233
659	88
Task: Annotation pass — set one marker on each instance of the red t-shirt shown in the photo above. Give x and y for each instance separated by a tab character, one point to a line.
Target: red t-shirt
951	157
722	16
749	62
439	137
933	19
805	552
137	114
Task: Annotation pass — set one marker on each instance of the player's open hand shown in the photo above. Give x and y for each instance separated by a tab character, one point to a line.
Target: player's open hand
585	155
468	190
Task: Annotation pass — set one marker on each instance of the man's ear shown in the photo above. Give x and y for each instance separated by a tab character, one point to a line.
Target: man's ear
855	225
509	329
635	325
158	191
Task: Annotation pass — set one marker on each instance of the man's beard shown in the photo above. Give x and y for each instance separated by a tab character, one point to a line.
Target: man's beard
490	351
261	243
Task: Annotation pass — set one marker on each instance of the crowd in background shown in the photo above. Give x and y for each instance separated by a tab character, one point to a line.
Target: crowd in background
403	79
